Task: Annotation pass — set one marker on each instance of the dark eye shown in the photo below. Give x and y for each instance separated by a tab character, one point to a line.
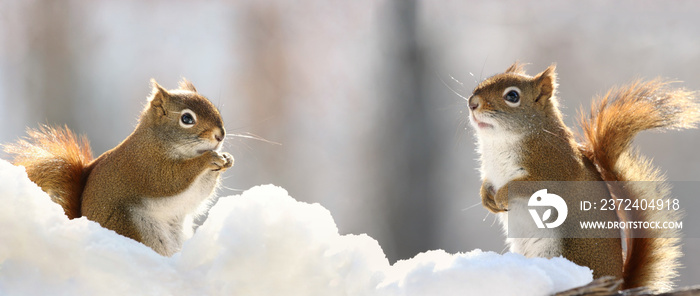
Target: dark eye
187	118
512	96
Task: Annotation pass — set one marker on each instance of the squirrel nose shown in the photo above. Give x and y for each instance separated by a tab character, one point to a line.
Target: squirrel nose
219	135
473	103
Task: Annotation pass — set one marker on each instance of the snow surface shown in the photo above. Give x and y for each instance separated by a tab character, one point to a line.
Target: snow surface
262	242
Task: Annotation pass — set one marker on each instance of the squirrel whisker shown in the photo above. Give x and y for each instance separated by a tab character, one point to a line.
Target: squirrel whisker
248	135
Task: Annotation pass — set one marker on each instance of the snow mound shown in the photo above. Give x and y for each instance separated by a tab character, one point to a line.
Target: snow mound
262	242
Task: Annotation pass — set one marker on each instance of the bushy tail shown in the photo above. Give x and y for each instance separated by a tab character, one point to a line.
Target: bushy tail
652	254
55	159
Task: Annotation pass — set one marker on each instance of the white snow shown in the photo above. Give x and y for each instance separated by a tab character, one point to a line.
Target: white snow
262	242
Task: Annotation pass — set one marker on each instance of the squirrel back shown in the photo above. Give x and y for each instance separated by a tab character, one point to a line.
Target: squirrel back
57	160
652	254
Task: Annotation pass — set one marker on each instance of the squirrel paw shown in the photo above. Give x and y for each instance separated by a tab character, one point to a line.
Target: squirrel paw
221	161
488	199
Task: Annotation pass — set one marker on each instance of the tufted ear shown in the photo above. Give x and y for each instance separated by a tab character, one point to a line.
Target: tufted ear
158	95
186	85
547	83
516	68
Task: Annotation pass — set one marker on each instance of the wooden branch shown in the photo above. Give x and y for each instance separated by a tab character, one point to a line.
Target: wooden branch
608	286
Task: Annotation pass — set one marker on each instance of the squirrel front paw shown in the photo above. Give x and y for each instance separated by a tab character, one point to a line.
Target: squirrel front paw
488	199
220	161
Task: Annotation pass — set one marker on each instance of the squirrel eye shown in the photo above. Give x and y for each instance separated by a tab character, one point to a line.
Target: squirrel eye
187	118
512	96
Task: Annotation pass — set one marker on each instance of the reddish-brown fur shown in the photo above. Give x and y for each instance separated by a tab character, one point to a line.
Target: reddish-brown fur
547	152
163	163
651	258
56	159
652	255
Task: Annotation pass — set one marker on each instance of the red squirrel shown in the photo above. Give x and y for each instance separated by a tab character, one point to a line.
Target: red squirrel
521	137
149	186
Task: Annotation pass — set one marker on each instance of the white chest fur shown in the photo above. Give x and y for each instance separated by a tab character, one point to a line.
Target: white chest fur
500	160
538	244
165	222
500	164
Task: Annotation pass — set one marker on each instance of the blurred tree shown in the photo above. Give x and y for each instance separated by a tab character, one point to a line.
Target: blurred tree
50	67
406	144
266	81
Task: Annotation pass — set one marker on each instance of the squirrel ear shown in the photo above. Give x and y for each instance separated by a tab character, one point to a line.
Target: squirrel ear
546	83
186	85
516	68
158	94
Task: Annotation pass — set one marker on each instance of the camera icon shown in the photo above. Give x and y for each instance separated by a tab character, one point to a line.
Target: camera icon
543	199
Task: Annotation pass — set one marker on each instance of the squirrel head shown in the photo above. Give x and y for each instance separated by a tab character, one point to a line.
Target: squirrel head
187	123
514	101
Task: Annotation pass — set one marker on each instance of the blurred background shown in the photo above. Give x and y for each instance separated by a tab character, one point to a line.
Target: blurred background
363	96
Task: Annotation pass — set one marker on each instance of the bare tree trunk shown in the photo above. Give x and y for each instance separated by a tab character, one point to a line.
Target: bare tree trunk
406	143
50	67
266	85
